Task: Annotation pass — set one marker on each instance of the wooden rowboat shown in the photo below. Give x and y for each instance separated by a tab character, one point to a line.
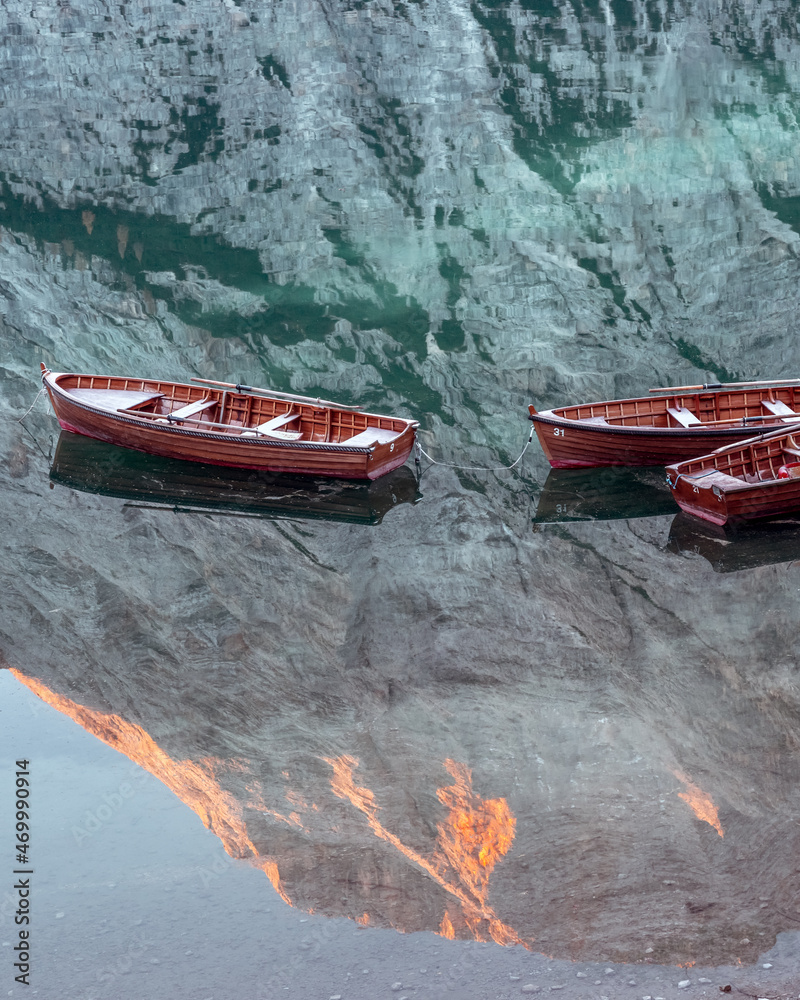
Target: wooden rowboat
219	423
659	429
758	478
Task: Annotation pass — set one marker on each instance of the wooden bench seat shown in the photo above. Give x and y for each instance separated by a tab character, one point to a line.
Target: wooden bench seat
114	399
683	416
373	435
276	422
790	447
779	409
191	409
723	480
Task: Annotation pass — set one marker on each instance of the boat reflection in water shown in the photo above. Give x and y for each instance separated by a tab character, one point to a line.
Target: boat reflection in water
623	493
603	494
91	466
730	549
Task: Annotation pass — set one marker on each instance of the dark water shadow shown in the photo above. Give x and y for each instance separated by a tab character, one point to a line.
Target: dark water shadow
90	466
730	549
603	495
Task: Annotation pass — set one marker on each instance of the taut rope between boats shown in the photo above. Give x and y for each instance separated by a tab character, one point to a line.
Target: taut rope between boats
473	468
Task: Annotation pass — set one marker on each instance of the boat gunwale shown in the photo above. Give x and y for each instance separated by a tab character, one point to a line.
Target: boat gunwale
665	395
550	418
709	459
742	486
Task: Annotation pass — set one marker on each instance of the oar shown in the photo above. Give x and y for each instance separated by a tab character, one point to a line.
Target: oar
273	394
746	420
725	385
755	439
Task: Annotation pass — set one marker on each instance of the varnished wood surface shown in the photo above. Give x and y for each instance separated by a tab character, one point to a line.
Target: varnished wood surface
214	435
657	430
739	483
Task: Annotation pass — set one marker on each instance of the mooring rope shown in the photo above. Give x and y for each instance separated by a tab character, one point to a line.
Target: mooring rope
474	468
25	414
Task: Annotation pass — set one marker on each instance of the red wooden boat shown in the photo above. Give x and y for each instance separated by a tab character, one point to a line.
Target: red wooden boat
684	422
758	478
235	425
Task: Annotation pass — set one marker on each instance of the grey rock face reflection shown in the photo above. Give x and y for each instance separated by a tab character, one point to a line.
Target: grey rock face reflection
571	738
581	737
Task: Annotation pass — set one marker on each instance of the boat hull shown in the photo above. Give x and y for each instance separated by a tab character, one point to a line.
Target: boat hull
214	447
662	428
750	502
569	444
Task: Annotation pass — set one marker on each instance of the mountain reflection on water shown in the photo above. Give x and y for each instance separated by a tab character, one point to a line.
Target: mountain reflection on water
96	467
435	780
440	719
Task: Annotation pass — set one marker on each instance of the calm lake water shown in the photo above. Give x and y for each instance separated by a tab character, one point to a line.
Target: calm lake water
463	731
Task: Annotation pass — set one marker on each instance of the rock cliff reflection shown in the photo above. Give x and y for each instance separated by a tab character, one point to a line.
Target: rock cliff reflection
471	838
196	783
582	737
601	849
474	836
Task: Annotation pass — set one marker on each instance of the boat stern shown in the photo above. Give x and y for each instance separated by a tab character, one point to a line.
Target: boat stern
704	493
388	455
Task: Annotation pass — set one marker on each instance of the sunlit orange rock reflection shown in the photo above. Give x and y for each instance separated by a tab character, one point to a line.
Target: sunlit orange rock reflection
476	834
442	867
700	803
195	784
